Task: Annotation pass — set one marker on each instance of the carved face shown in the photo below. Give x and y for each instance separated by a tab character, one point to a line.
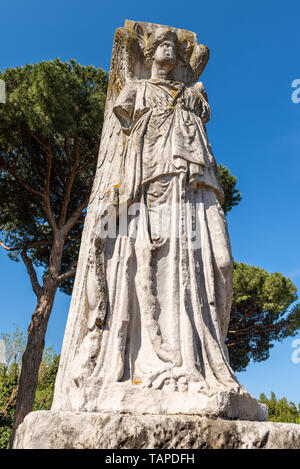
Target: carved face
165	54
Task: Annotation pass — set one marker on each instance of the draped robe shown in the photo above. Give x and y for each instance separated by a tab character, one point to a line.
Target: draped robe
168	290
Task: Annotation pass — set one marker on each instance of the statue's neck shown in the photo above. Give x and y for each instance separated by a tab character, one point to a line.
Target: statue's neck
161	73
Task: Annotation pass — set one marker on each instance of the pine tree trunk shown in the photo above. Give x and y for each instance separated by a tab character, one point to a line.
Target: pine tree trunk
33	354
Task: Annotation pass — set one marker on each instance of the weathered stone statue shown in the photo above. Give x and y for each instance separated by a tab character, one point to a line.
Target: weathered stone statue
151	302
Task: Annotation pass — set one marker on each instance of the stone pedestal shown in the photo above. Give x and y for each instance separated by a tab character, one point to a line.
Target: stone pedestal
85	430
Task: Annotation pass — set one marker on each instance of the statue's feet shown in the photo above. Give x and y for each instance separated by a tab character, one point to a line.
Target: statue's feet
177	379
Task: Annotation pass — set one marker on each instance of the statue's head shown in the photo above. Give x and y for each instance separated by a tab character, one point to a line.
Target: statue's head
162	48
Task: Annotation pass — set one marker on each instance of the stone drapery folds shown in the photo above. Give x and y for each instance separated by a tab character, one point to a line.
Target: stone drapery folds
150	307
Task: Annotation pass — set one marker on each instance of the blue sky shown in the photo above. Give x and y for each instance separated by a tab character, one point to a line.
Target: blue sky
254	130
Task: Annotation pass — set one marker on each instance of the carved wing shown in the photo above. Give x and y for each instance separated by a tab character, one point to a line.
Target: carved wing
112	138
110	156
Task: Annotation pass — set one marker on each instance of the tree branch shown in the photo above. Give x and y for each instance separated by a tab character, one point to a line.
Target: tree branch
85	167
19	181
69	185
6	247
36	138
35	244
48	170
254	328
244	316
32	274
234	344
65	147
66	275
46	196
74	217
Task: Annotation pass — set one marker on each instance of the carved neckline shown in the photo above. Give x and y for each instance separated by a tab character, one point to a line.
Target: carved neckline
169	83
173	88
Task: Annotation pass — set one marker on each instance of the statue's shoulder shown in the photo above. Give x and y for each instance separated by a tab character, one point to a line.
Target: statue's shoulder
198	88
134	85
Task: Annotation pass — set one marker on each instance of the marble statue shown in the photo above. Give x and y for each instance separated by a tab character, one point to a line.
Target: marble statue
152	296
144	362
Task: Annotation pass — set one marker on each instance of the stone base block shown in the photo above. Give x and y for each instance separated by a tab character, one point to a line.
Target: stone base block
126	398
85	430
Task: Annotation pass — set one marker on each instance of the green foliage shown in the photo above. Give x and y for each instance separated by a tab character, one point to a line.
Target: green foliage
281	410
9	377
8	394
49	126
259	314
14	346
45	390
231	193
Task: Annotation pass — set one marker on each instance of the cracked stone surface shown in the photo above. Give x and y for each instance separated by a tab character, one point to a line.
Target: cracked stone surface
84	430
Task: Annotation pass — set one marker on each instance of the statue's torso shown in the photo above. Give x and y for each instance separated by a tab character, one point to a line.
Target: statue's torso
166	131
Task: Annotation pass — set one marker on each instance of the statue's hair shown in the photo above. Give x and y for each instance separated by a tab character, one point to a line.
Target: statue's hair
153	41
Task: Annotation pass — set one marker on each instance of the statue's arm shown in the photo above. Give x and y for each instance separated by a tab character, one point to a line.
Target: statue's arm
203	101
124	107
